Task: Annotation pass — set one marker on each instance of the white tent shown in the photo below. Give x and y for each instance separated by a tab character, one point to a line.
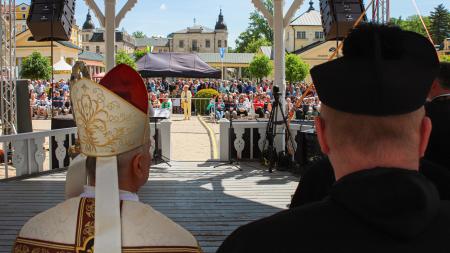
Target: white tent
62	70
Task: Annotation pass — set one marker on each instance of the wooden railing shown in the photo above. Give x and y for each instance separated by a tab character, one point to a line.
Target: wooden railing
248	137
32	153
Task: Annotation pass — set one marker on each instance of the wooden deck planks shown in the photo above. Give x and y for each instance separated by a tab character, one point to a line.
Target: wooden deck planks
209	202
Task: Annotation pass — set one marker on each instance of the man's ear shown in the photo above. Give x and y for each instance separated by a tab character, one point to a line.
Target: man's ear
320	129
425	131
137	166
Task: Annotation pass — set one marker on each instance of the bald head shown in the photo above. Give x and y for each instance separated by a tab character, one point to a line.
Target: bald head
362	141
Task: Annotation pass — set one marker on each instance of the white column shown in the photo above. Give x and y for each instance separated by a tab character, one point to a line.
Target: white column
166	147
279	65
224	139
110	33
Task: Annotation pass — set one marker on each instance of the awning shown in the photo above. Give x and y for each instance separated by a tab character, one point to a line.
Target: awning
175	65
62	67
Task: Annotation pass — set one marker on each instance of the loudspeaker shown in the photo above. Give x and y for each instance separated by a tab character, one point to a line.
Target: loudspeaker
23	107
45	14
339	16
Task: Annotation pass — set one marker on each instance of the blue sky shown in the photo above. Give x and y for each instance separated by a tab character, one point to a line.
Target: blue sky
161	17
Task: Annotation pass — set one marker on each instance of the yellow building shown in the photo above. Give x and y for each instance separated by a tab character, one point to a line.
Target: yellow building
304	30
26	45
21	17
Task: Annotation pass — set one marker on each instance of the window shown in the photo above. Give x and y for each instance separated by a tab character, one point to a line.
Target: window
219	43
226	42
24	16
207	43
319	35
181	44
24	27
160	50
194	45
97	49
87	48
301	35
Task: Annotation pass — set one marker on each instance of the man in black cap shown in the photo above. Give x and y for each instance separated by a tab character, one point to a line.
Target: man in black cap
374	130
438	109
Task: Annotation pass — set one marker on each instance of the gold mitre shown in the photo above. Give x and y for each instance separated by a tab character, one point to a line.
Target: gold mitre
112	116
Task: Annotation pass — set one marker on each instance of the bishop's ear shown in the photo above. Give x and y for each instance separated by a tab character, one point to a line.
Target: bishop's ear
137	163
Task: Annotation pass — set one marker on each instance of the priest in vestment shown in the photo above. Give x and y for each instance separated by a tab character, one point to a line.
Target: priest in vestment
114	134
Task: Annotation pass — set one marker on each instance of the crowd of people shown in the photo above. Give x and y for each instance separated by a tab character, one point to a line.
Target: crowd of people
235	98
42	105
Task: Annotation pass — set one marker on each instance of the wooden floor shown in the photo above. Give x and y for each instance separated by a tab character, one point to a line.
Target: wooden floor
209	202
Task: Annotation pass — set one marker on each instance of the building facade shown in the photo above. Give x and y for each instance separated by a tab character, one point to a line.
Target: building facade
304	30
156	44
93	39
200	39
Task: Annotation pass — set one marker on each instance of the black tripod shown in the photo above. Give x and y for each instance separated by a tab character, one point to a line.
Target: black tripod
157	156
231	162
270	154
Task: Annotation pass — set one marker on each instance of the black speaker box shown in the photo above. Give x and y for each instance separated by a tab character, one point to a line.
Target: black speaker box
45	14
23	107
339	16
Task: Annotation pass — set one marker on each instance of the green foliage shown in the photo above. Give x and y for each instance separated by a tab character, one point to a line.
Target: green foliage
296	68
139	34
138	54
440	24
123	58
260	66
444	58
412	23
258	29
36	67
255	45
201	104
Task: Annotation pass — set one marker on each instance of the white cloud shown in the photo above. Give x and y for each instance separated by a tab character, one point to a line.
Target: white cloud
163	7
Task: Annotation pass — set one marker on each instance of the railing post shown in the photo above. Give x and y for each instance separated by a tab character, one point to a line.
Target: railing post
166	148
224	139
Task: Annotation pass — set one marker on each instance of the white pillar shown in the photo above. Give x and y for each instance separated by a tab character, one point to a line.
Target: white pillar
166	147
224	139
110	33
279	65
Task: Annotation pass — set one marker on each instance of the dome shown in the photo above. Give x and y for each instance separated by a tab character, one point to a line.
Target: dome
88	24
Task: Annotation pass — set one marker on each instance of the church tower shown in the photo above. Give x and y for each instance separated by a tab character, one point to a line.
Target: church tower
221	31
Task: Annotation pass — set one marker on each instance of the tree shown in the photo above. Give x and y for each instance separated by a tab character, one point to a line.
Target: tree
139	34
260	66
123	58
412	23
255	45
36	67
138	54
296	68
258	28
440	24
444	58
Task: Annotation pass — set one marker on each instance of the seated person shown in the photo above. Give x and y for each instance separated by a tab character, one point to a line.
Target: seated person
103	219
220	108
258	104
241	107
438	109
380	202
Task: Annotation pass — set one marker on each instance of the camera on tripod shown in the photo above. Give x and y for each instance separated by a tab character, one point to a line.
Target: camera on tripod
269	154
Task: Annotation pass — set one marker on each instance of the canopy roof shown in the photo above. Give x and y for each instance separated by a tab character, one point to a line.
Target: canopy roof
62	67
175	65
